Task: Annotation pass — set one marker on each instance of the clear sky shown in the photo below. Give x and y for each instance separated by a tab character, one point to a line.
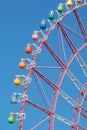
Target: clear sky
18	19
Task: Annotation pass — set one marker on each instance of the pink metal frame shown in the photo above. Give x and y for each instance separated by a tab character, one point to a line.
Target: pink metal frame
64	67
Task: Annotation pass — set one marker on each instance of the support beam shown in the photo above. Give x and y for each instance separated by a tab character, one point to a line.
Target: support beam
61	92
41	90
59	61
54	87
83	31
39	107
71	45
71	76
38	123
58	117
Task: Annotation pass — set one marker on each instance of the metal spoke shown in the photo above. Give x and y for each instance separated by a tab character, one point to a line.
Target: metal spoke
42	92
83	31
73	31
64	95
48	67
69	42
78	56
39	123
63	47
58	117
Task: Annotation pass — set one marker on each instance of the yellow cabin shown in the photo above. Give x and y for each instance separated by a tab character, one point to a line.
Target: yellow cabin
17	80
69	3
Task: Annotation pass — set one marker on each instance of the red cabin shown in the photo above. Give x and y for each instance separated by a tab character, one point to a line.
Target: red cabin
28	48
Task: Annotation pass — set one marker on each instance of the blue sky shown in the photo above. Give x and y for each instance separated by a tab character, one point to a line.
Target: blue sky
18	19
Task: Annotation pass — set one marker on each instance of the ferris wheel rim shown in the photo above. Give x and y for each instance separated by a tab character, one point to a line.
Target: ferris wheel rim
41	43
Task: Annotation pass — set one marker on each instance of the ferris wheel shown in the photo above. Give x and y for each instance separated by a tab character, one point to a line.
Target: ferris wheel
54	85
